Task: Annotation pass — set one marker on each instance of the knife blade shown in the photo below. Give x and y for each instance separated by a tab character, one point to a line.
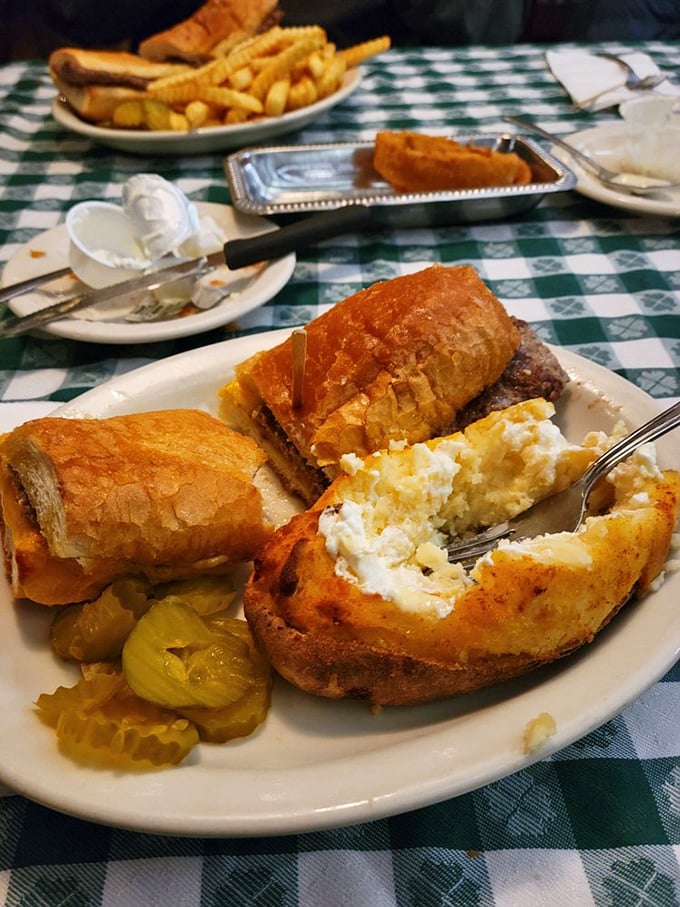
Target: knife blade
17	325
24	286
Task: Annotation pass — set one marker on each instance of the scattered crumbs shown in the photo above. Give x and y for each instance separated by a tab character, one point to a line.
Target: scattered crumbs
37	253
537	731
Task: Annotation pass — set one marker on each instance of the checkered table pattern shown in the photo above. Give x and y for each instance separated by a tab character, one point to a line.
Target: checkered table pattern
597	823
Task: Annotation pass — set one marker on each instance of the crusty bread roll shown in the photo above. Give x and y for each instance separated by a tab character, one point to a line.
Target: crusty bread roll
413	162
395	361
355	598
165	494
216	22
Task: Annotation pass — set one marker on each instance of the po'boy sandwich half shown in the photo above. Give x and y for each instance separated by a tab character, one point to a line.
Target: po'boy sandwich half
165	495
403	360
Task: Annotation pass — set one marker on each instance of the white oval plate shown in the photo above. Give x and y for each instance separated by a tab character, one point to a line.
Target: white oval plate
604	143
251	287
315	763
203	141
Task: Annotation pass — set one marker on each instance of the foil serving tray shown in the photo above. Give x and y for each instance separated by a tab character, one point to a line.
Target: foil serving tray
297	179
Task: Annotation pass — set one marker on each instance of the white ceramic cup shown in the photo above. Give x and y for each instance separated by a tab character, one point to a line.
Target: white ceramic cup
103	246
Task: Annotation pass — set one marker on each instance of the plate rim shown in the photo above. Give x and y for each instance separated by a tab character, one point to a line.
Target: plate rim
276	275
205	139
587	185
430	770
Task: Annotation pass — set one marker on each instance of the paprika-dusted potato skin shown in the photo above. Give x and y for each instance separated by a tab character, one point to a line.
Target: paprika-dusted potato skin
526	607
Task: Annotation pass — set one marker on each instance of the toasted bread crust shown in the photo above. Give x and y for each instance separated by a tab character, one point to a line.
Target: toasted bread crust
395	361
215	22
89	67
167	494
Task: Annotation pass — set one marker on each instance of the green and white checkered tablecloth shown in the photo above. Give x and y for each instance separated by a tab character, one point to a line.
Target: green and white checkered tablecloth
597	823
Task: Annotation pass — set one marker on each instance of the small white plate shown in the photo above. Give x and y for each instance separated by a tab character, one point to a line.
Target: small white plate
251	287
203	141
604	143
316	763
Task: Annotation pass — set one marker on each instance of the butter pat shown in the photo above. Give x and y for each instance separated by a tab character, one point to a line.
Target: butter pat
161	215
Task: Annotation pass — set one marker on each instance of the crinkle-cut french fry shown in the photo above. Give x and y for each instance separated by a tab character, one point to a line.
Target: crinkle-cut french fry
178	122
197	113
293	33
282	63
236	115
227	97
357	53
257	64
176	94
227	47
275	102
243	53
190	77
128	115
316	64
331	77
302	93
241	79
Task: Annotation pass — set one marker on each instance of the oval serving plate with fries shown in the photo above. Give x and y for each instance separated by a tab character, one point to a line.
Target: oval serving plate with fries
264	87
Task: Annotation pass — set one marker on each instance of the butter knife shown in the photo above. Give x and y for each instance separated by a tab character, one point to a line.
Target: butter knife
17	325
31	283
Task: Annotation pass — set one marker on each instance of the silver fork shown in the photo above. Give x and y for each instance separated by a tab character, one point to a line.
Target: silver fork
633	81
564	511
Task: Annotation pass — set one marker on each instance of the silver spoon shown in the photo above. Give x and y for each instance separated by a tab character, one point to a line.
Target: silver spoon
633	183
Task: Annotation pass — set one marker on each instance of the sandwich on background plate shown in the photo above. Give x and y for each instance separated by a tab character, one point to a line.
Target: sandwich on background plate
95	82
213	30
406	359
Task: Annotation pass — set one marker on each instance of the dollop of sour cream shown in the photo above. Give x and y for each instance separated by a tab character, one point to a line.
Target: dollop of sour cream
162	216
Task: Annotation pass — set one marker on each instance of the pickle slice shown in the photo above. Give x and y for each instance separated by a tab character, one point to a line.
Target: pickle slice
100	720
173	659
205	594
237	720
97	630
242	717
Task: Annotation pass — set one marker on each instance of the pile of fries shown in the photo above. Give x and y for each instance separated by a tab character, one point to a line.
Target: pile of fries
280	70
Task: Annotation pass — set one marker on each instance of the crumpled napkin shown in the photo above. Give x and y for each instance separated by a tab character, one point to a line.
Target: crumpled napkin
583	74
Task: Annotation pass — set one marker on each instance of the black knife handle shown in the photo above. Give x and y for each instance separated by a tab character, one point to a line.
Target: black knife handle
293	237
